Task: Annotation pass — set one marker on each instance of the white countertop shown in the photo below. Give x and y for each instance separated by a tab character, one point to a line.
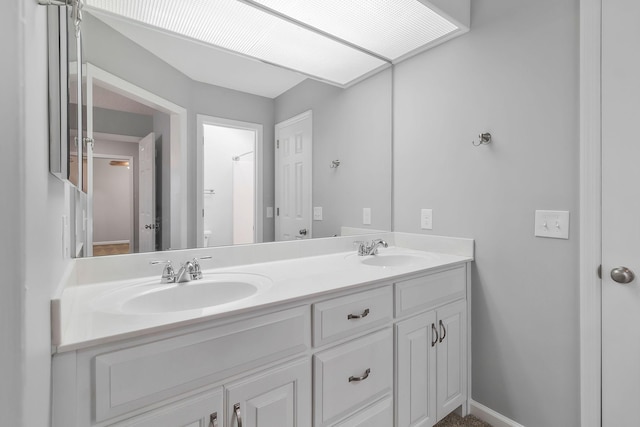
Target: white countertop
80	322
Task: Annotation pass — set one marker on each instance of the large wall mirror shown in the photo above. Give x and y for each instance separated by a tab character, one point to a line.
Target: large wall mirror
191	145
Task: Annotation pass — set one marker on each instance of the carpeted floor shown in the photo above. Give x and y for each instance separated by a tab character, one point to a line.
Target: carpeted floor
455	420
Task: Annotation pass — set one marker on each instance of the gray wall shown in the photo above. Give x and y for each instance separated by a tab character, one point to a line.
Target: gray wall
31	257
354	126
11	168
514	75
109	50
125	149
112	200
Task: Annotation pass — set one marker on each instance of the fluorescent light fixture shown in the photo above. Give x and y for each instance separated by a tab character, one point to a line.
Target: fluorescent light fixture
337	41
390	28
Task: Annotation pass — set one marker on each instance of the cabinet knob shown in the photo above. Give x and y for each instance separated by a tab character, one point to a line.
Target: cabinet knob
236	409
365	313
443	331
213	420
361	378
434	335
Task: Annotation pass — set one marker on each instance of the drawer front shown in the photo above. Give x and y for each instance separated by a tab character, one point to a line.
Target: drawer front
380	414
352	375
132	378
422	293
194	412
340	317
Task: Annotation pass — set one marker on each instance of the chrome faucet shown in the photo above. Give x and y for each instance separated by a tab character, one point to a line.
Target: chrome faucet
186	272
190	270
365	249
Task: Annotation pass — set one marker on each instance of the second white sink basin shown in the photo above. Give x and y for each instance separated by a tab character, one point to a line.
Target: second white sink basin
213	290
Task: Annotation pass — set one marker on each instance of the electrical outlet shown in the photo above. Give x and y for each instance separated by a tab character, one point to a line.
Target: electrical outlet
317	213
426	219
366	216
553	224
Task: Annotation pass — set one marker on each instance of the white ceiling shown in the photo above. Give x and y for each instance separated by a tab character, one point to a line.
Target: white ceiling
206	63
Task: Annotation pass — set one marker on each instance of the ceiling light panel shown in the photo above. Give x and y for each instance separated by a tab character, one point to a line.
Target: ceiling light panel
238	27
390	28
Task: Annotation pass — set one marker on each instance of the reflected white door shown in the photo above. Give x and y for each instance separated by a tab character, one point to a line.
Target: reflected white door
147	193
620	211
293	178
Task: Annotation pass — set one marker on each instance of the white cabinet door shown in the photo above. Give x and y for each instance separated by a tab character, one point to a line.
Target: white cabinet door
276	398
431	369
380	414
451	357
416	343
204	410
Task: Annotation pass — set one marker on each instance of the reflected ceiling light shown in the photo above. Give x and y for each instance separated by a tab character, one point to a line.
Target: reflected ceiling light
337	41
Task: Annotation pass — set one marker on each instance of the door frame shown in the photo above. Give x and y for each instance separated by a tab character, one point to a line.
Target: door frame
590	213
178	134
131	204
257	128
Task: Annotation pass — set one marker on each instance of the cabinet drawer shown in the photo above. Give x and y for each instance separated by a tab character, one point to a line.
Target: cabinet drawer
135	377
337	389
428	291
380	414
193	412
340	317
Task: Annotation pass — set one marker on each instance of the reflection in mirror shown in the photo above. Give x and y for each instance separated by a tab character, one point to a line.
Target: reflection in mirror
150	91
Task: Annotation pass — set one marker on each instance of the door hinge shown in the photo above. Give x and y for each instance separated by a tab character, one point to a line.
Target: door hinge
277	211
278	144
203	213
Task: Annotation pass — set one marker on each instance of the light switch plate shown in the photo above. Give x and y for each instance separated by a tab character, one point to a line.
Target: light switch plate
553	224
426	219
269	211
366	216
317	213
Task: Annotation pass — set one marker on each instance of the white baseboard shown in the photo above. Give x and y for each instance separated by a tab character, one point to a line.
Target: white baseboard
112	242
490	416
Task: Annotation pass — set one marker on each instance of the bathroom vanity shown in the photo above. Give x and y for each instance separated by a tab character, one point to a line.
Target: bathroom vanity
328	338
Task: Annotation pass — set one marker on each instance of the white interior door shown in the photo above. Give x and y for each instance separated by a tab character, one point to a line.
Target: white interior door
620	212
147	193
293	178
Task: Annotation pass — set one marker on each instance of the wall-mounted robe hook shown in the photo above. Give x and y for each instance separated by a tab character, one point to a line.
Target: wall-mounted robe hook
334	164
484	139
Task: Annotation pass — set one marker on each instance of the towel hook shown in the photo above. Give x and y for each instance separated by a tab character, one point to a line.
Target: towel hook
484	139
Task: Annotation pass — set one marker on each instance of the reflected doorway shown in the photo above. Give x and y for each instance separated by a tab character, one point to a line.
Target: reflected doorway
229	190
113	204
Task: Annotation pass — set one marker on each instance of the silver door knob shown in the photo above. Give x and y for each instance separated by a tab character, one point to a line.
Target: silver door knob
622	275
303	232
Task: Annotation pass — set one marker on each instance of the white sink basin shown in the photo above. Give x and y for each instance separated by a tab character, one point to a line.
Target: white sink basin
213	290
394	257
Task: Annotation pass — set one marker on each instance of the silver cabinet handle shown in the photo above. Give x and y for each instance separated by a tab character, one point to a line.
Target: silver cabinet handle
362	378
622	275
434	333
236	409
365	313
213	420
443	331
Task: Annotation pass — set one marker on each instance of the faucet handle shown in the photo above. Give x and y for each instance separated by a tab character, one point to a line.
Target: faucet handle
168	273
197	271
